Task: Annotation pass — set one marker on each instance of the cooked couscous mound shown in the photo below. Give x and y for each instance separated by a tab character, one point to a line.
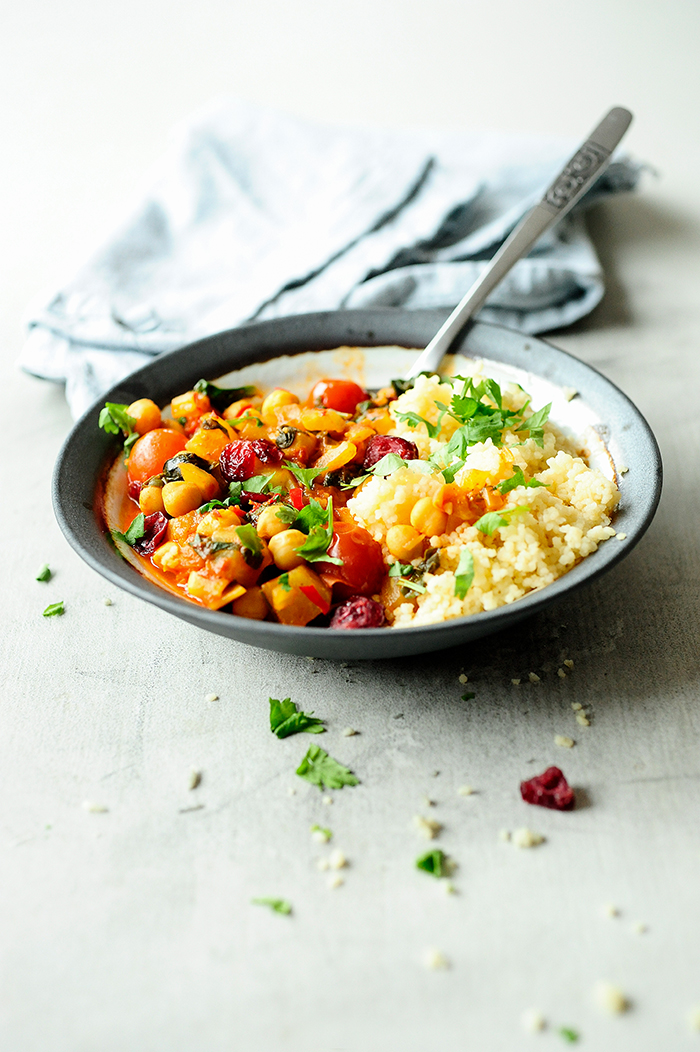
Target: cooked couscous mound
486	555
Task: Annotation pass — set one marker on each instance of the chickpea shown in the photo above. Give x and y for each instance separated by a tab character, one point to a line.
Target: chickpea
284	548
180	497
253	604
203	480
275	400
151	499
404	542
428	519
146	414
268	524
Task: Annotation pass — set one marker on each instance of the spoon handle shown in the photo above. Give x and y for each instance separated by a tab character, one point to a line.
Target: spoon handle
589	161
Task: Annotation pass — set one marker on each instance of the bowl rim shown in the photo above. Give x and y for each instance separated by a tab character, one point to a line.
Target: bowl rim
286	336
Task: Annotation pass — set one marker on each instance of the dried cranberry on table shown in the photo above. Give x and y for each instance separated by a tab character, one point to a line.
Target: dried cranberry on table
380	445
358	612
549	789
155	529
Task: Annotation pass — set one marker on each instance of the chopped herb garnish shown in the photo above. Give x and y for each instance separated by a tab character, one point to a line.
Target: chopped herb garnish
222	397
54	608
493	520
534	423
44	573
399	569
315	549
568	1034
205	546
434	862
322	770
468	696
464	574
285	513
413	586
304	476
284	582
250	542
277	905
210	505
414	420
134	533
114	418
286	719
517	479
389	463
322	832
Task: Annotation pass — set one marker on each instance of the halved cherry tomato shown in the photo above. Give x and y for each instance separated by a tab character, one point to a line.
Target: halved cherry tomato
362	570
341	395
150	452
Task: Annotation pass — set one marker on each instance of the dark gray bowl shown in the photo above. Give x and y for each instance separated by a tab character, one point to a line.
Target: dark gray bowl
87	448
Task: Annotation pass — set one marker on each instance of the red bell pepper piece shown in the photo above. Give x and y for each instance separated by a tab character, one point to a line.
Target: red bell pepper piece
312	593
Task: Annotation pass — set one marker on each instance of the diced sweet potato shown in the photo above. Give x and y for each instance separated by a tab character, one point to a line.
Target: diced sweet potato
289	603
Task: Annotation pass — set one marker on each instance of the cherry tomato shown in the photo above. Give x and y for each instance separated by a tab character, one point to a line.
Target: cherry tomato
150	452
341	395
362	571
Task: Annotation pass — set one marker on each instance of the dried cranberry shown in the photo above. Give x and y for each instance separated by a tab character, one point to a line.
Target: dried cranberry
358	612
135	490
237	461
550	789
380	445
266	451
155	528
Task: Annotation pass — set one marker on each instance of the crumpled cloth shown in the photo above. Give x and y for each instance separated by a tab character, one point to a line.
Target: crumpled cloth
255	214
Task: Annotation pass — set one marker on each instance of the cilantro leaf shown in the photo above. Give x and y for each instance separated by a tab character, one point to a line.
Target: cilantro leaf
399	569
315	549
134	533
490	522
222	397
464	574
257	483
286	719
434	862
277	905
284	582
54	608
493	520
517	479
322	833
389	463
304	476
414	420
285	513
311	515
114	418
250	542
534	424
468	696
210	505
322	770
44	573
568	1034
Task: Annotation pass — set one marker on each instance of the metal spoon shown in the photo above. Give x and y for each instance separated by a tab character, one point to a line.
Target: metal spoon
589	161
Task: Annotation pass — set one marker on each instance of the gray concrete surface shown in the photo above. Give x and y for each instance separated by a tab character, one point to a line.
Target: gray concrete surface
132	929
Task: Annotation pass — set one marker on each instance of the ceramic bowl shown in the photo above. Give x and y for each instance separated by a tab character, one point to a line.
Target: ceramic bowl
599	411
